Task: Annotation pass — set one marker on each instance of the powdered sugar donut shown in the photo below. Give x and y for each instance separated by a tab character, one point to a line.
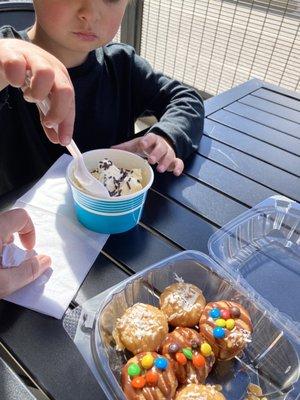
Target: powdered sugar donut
183	304
141	328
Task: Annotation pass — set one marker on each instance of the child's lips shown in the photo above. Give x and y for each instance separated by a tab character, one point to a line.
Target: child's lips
86	36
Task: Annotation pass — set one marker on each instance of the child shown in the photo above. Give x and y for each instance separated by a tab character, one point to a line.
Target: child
109	85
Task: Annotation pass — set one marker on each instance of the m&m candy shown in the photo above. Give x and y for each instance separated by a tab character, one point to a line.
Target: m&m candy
198	361
181	358
206	349
220	322
151	378
138	382
215	313
161	363
225	314
173	348
219	333
134	369
235	312
230	324
188	353
147	361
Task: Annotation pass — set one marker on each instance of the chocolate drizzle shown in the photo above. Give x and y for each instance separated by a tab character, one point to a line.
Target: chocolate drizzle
118	181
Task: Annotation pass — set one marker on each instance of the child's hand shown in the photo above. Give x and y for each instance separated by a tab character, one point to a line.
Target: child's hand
49	77
157	149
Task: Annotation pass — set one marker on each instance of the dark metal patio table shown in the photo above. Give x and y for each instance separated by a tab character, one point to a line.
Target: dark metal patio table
250	151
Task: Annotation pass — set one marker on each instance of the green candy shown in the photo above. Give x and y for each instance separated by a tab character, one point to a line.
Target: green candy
134	369
188	353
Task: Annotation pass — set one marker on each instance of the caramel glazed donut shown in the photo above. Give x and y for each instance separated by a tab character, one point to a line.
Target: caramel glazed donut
149	376
227	327
190	354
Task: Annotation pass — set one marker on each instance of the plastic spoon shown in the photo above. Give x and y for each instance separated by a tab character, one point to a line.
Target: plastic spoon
81	173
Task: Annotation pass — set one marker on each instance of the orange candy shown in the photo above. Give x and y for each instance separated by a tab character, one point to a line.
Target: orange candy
198	361
181	358
151	378
138	382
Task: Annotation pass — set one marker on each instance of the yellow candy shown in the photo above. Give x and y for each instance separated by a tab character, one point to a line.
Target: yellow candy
230	324
220	322
206	349
147	361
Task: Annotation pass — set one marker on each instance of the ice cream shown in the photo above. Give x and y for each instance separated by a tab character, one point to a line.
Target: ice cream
118	181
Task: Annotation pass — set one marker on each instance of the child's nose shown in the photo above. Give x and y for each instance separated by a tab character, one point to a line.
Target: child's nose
89	10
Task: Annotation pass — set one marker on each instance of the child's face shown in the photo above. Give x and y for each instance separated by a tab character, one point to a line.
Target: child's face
78	25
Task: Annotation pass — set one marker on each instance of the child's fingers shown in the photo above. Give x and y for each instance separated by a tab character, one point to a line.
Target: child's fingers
159	151
177	167
148	141
166	161
131	145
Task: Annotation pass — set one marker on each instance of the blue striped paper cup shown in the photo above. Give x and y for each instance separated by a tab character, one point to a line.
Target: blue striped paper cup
113	214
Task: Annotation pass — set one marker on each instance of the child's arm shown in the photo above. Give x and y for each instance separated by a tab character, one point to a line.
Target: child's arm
178	109
49	77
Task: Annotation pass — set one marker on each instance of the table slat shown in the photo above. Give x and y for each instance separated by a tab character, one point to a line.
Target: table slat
266	174
265	118
272	108
257	131
138	248
205	201
41	344
103	274
177	223
230	96
11	386
253	147
278	98
227	181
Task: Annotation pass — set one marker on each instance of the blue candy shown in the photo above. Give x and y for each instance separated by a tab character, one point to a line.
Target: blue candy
161	363
219	333
215	313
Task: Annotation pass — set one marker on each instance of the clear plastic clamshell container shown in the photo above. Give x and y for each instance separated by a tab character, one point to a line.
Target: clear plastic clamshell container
257	265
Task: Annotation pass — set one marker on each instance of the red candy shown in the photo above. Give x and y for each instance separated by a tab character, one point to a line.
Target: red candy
225	314
138	382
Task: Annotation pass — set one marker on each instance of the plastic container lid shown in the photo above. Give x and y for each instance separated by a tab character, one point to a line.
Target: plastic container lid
261	249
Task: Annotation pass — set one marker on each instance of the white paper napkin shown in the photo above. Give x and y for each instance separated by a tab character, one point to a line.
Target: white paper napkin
72	248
